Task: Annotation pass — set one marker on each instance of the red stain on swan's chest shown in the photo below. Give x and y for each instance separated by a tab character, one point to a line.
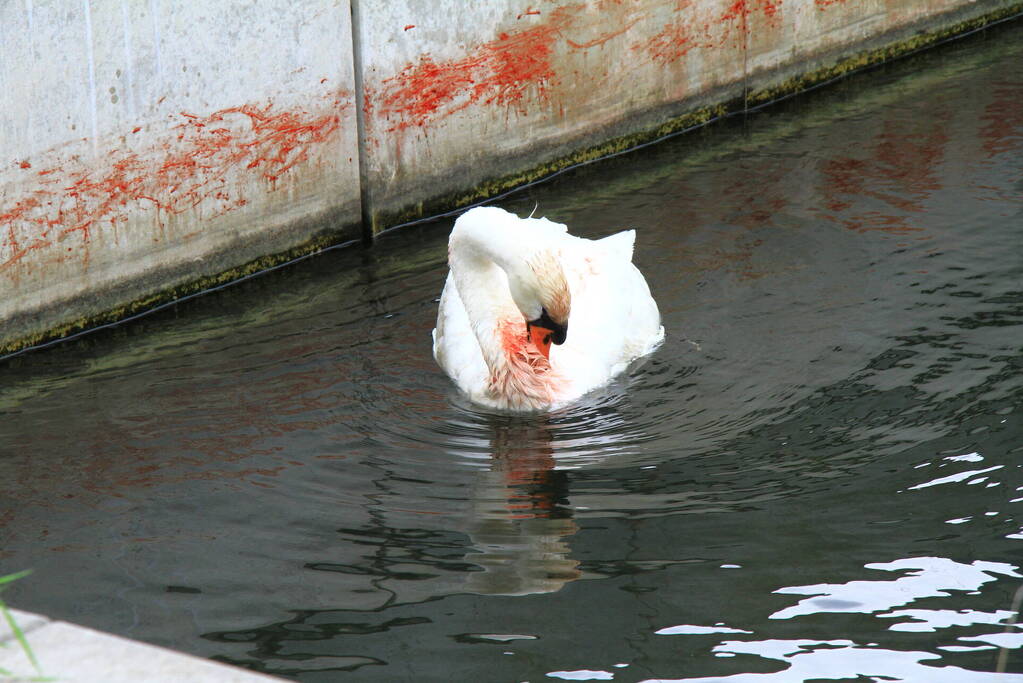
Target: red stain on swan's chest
512	334
526	377
518	348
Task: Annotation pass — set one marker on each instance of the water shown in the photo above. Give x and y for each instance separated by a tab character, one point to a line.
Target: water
817	476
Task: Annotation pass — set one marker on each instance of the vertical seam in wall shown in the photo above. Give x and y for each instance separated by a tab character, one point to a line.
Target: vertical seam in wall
360	123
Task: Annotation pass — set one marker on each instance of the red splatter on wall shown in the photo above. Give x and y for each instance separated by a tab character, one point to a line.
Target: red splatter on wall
604	36
738	9
518	68
197	165
675	41
738	13
771	8
499	71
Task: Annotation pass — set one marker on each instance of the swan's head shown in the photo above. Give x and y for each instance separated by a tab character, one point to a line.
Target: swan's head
541	293
526	249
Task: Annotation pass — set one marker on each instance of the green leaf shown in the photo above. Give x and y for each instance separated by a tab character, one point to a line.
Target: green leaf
13	577
19	635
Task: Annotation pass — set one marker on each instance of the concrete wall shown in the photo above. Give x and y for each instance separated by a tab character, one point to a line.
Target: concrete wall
147	145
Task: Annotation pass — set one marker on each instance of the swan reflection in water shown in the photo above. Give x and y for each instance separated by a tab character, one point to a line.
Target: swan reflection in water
520	520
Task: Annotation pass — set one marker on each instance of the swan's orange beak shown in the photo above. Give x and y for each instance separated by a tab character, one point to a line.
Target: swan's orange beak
541	338
543	332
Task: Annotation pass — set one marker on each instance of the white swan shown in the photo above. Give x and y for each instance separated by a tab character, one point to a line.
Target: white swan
517	285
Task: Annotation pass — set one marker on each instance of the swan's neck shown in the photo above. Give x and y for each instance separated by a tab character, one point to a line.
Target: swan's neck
519	375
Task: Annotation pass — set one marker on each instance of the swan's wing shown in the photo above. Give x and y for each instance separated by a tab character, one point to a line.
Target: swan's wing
639	312
545	226
455	347
614	318
619	244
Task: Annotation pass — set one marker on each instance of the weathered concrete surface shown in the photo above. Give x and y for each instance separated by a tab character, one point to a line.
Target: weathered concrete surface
146	146
75	654
462	101
150	149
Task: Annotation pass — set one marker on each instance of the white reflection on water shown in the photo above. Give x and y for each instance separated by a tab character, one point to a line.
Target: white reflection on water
930	620
953	478
926	577
964	648
933	577
967	457
1005	640
843	659
689	630
582	675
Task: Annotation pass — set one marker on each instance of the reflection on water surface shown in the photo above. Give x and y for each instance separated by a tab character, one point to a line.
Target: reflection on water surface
816	477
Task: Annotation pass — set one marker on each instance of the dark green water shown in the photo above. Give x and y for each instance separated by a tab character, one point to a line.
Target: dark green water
818	476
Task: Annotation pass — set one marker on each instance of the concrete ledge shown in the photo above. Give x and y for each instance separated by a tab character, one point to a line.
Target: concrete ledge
71	653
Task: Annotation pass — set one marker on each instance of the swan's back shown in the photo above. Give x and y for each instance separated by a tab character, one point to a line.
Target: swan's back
614	318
